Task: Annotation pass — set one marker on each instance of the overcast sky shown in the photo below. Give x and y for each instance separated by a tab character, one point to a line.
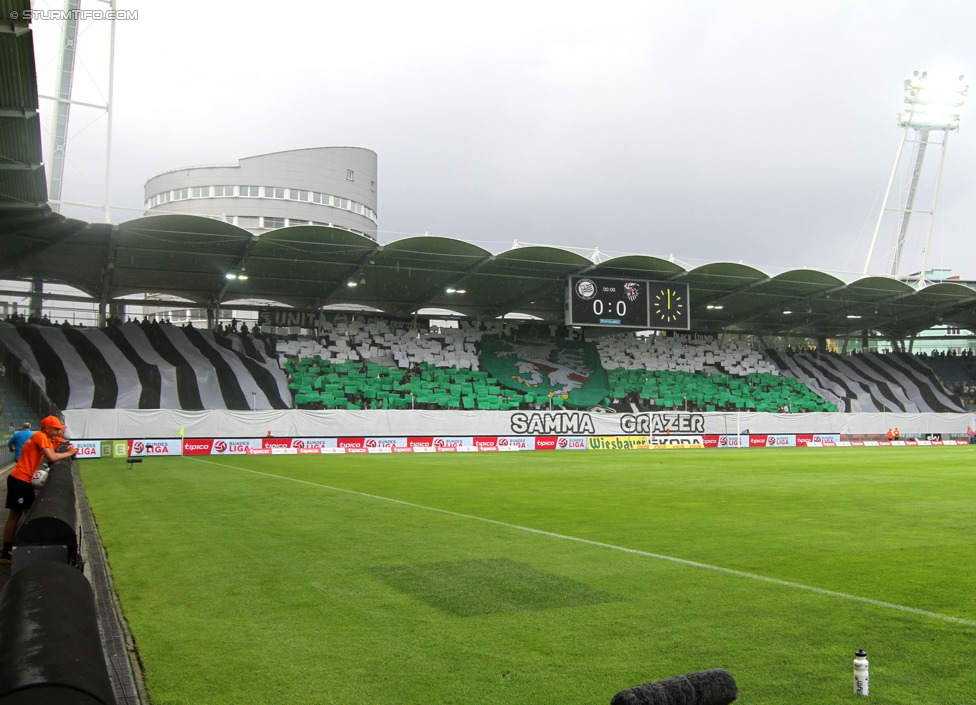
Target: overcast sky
753	131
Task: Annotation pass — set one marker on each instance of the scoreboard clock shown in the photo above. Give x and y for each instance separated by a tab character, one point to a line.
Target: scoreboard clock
669	306
627	303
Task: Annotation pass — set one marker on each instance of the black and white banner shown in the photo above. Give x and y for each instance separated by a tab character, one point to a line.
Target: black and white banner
151	366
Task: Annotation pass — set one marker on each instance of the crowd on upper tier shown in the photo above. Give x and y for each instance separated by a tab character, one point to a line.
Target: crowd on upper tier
233	327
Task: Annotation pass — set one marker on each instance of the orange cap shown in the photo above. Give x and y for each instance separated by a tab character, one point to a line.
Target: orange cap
52	422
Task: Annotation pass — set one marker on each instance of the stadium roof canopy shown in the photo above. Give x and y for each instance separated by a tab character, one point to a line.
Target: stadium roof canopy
187	259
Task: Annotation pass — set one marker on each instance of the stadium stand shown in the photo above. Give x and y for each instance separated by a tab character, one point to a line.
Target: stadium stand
355	364
373	363
930	386
146	366
870	382
323	384
957	373
386	343
762	392
734	357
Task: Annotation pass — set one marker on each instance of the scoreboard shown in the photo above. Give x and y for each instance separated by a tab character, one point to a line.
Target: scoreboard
627	303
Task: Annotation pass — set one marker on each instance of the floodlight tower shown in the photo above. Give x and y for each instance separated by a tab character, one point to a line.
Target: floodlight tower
934	107
63	100
63	106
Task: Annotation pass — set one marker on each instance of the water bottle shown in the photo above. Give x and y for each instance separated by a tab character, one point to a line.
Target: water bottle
860	673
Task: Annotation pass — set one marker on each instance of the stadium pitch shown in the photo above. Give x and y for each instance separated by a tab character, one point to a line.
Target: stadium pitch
545	577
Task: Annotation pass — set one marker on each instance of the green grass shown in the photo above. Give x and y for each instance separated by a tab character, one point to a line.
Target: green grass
544	577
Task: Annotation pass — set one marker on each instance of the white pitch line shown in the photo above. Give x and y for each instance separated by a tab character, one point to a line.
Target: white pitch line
623	549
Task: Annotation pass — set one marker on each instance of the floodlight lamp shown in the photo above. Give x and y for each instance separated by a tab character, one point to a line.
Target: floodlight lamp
451	290
241	277
928	120
851	315
934	103
351	283
230	275
787	313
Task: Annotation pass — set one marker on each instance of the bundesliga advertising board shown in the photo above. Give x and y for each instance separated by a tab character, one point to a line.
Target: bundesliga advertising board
155	447
528	430
91	449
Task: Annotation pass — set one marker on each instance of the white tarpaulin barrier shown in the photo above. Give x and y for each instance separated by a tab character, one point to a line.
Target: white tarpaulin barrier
167	423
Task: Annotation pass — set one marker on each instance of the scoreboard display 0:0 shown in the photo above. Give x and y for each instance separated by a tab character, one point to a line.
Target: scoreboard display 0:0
595	301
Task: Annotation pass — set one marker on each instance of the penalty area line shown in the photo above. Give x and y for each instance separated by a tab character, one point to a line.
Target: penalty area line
621	549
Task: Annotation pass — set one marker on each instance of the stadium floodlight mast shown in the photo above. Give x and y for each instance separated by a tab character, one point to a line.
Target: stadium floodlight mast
63	101
933	107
